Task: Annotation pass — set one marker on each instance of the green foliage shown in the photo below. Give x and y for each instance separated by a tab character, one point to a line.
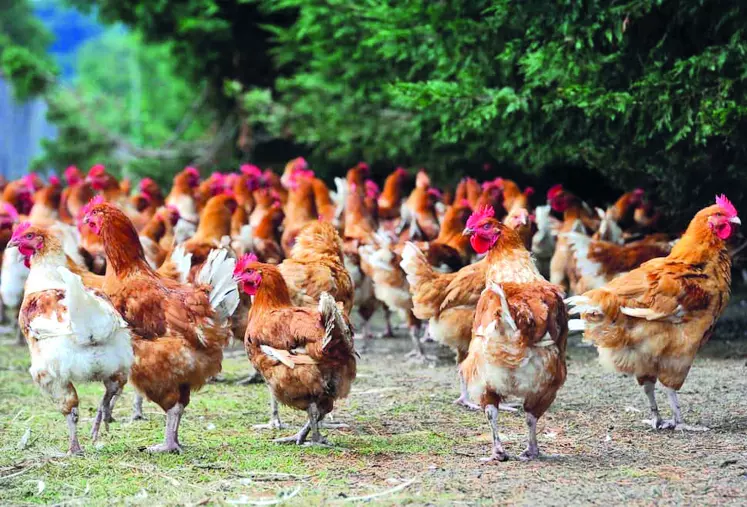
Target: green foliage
647	92
23	43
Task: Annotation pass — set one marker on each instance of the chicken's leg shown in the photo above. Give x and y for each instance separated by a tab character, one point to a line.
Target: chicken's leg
389	332
74	447
532	450
498	454
171	443
299	438
655	421
417	354
678	422
104	413
463	400
69	407
137	408
275	423
315	417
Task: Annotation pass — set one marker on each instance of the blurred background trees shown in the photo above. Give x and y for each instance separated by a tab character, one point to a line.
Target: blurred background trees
597	94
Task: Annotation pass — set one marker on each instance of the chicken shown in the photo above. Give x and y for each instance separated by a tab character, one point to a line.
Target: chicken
300	209
576	216
419	210
543	241
623	209
46	203
305	355
598	262
182	197
106	185
19	194
213	231
390	200
265	241
154	231
316	266
381	263
450	250
519	332
468	189
447	301
77	194
652	321
11	283
520	220
179	331
74	334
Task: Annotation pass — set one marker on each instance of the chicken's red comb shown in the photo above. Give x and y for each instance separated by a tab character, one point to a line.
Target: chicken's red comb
372	189
174	210
54	180
433	191
145	182
726	205
529	191
192	171
464	203
251	170
362	165
244	262
401	171
72	172
97	170
28	180
20	229
300	164
10	210
554	190
476	217
639	191
99	199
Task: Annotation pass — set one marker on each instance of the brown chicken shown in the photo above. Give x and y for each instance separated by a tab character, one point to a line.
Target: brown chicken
316	266
390	200
300	209
652	321
179	331
598	262
305	355
182	195
519	332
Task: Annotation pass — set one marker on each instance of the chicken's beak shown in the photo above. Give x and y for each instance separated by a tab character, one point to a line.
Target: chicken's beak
735	220
468	232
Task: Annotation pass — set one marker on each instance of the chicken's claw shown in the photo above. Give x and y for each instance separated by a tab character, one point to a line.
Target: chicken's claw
462	401
165	447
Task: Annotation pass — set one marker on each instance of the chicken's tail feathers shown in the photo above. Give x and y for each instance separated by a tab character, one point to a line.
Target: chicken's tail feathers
217	272
92	319
415	265
336	326
182	262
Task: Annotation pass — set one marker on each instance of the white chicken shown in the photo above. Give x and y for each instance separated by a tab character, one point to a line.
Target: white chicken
74	333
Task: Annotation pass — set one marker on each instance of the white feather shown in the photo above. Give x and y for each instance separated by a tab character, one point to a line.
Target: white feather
217	272
13	277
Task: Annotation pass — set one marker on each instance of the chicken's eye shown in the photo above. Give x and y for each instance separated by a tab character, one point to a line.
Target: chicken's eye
486	226
29	236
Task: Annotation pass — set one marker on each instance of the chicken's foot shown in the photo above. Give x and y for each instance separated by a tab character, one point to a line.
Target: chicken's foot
417	354
74	448
299	438
137	408
256	378
655	422
498	454
275	423
677	422
532	450
463	400
171	443
315	417
104	412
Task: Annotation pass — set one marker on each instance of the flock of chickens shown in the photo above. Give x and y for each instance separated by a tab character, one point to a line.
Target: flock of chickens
115	285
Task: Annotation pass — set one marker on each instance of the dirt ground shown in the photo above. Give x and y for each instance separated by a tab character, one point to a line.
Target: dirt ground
407	442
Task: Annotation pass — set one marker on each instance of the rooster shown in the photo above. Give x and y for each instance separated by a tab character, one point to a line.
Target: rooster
179	331
519	332
305	355
74	333
652	321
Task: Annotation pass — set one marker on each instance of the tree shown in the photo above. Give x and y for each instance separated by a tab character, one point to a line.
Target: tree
646	92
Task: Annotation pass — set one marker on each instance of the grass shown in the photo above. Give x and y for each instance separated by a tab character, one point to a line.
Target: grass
406	440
